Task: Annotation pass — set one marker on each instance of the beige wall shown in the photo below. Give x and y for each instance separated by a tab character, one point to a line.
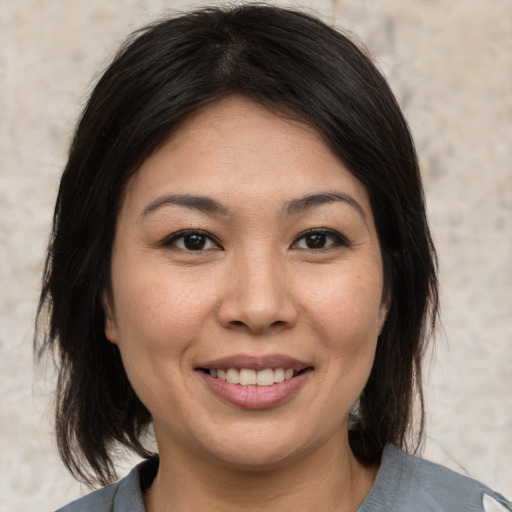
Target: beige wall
449	62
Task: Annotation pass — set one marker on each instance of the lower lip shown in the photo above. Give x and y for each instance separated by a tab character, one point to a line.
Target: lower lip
256	397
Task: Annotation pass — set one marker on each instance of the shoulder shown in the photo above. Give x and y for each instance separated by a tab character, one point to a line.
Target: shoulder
122	496
101	500
407	483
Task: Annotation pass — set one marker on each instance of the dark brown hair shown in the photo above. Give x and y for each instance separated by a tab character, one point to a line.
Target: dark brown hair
292	63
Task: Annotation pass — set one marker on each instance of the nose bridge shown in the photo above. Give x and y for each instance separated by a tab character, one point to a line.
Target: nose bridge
259	296
260	283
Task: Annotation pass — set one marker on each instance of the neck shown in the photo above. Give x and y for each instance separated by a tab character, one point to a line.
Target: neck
330	479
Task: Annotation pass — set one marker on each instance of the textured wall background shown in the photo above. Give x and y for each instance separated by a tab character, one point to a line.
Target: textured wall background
450	64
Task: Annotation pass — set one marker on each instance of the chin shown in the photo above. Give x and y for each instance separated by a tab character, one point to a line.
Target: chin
256	460
261	451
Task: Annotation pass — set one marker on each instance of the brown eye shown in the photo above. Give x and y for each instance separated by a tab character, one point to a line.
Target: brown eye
315	240
319	239
194	242
191	241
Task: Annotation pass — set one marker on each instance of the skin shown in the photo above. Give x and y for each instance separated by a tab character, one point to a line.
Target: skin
259	286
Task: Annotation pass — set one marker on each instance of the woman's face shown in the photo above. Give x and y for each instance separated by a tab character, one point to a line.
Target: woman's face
246	251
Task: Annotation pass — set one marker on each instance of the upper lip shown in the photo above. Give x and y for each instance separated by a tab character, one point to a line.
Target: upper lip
254	362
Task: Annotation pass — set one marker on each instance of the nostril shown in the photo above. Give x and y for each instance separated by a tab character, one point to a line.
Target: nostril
276	324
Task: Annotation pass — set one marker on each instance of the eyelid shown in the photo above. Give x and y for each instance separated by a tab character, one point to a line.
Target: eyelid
339	238
170	240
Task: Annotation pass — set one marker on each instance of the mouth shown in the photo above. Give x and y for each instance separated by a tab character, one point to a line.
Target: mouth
252	377
255	382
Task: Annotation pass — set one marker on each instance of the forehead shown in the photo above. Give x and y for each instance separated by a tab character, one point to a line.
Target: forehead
237	149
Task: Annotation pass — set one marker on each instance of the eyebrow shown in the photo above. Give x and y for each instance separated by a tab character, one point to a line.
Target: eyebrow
304	203
209	205
198	203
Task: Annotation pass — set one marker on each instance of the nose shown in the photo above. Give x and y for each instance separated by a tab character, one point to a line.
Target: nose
258	296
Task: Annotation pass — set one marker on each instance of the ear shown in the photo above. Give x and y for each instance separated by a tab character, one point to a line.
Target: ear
383	313
387	297
111	332
385	303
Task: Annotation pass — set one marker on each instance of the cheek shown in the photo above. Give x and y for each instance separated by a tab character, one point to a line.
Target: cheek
157	323
158	319
158	306
348	304
346	313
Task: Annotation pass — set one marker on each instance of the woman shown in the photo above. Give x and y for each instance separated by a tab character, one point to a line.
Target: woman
241	259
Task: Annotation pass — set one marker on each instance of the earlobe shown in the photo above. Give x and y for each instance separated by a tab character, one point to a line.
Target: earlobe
383	315
110	322
110	330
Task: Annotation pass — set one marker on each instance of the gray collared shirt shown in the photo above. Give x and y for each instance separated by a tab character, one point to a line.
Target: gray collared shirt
404	484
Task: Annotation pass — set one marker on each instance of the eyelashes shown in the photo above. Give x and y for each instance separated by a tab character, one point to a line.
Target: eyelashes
192	240
317	239
196	240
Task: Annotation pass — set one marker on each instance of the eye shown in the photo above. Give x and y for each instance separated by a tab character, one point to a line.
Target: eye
192	240
319	239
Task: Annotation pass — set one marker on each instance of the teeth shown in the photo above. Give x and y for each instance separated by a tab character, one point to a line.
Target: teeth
265	377
233	376
249	377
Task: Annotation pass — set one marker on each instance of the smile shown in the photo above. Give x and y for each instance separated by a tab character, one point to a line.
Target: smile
255	382
251	377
